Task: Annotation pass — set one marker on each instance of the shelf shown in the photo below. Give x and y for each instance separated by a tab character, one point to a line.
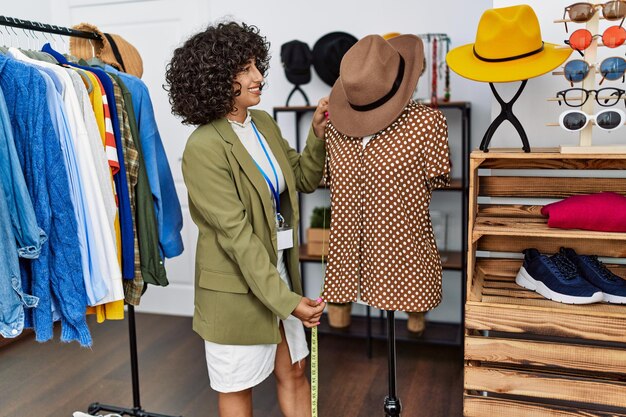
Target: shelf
500	304
305	257
499	287
456	184
534	227
436	333
450	259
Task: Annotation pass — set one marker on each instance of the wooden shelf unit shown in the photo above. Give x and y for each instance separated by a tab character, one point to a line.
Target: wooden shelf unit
526	355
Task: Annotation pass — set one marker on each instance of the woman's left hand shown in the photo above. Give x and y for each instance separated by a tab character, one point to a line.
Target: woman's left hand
320	118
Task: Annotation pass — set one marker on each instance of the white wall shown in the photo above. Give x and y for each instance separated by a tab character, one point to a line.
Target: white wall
532	108
37	10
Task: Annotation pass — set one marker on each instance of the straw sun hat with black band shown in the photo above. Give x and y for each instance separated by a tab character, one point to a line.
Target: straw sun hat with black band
110	48
377	78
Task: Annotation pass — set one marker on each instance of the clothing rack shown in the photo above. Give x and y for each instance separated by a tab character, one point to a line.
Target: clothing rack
43	27
136	410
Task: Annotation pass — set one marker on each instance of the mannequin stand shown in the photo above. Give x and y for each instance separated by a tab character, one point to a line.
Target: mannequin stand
506	113
301	91
393	407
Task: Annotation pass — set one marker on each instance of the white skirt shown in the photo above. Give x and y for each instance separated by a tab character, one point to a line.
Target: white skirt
234	368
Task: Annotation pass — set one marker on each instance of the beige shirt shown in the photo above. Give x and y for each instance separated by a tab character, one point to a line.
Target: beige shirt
382	245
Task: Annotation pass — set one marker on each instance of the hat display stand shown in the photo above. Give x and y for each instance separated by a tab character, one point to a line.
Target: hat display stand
589	83
506	113
301	91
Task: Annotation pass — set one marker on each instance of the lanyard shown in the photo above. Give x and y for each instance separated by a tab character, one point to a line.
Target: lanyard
267	179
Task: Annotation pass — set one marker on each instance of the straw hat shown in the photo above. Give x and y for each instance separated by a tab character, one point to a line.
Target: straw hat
508	48
377	79
111	49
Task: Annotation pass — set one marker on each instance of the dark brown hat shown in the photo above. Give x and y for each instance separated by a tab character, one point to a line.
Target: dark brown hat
111	49
376	81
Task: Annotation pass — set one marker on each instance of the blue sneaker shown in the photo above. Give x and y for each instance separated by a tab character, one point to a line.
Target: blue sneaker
594	271
556	278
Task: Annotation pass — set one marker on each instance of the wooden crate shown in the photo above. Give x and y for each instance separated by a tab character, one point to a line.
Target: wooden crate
525	355
317	241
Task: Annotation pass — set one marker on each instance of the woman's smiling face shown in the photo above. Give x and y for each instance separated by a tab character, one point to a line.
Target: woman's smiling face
250	83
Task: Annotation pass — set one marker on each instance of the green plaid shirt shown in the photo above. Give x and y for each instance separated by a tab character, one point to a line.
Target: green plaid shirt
133	288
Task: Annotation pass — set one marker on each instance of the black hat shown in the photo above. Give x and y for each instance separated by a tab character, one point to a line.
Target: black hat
327	54
296	58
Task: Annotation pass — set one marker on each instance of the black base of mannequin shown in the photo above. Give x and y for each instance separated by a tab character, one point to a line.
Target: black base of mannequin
506	113
392	407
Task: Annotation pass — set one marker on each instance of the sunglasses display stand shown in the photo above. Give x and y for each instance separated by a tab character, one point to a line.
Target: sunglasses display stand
589	83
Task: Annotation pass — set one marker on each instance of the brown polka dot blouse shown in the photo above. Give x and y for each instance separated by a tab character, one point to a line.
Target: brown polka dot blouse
382	246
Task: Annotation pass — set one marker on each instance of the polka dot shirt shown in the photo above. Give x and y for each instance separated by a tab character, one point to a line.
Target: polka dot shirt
382	248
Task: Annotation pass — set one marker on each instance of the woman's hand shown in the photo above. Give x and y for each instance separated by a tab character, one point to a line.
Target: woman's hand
320	118
309	311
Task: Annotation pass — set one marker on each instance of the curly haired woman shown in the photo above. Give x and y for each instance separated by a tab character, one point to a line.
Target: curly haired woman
242	178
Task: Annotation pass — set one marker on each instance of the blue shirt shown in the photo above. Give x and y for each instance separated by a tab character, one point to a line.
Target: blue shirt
17	224
121	184
95	285
167	207
56	273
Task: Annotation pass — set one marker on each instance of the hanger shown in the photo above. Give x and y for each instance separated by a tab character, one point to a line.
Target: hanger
15	33
3	48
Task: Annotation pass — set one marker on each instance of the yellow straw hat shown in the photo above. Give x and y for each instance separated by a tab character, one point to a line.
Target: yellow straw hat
390	35
508	48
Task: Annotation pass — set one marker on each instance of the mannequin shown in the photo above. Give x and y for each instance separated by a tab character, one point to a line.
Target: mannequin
386	154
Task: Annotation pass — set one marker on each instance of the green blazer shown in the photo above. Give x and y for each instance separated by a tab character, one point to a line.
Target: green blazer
238	292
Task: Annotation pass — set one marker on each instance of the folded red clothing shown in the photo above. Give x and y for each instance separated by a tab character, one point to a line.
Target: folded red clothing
604	212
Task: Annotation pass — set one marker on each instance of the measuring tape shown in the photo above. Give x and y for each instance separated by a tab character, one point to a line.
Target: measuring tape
314	375
314	345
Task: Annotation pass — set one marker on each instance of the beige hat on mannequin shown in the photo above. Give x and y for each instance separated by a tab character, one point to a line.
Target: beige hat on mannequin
111	49
377	78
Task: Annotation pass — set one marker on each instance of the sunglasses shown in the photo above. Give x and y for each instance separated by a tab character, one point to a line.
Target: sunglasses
583	12
612	69
575	120
576	97
582	38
